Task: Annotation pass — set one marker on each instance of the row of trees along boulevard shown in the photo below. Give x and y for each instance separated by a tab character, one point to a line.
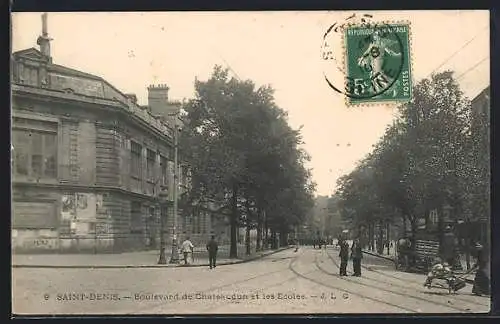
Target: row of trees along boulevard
244	156
427	161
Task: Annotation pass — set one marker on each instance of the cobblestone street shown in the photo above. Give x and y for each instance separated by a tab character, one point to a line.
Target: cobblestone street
286	282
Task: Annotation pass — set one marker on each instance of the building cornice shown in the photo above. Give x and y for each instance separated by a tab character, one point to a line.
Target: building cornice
107	105
61	186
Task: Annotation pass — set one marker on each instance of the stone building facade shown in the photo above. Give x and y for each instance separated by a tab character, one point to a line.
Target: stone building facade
88	163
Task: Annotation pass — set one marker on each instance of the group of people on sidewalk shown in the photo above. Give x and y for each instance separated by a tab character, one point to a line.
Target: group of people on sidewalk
212	246
356	256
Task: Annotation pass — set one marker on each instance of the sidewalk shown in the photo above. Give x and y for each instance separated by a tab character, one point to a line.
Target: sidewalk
142	259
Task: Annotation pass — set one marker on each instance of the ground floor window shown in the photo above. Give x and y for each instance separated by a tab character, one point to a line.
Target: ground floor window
34	215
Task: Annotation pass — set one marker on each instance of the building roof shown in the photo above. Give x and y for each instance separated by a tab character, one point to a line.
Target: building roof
63	78
483	94
66	70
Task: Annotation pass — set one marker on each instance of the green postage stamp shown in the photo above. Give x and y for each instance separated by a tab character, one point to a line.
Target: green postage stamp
378	63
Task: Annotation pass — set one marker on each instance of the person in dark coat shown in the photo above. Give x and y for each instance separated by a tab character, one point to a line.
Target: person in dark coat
344	257
448	249
481	280
356	256
212	248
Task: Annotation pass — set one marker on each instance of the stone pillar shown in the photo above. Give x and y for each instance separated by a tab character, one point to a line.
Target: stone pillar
87	152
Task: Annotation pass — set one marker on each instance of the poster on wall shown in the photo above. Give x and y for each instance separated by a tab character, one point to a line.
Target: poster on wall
82	201
86	206
68	207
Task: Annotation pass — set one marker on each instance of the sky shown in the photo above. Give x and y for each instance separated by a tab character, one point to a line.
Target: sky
282	49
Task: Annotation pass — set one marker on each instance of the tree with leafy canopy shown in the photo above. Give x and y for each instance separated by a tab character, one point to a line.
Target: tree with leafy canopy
243	154
423	160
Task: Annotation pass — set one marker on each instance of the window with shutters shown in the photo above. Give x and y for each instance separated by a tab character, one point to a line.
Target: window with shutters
35	148
164	170
135	163
150	165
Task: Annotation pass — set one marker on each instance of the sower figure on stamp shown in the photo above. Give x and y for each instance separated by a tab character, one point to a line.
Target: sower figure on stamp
212	248
374	57
187	247
344	256
356	256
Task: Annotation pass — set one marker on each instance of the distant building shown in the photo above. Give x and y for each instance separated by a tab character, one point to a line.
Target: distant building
88	162
481	112
335	223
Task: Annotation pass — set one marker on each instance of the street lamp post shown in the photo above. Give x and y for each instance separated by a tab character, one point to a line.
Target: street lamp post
174	258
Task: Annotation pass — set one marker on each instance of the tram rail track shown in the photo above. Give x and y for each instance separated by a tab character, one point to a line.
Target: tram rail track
348	291
395	292
225	285
417	283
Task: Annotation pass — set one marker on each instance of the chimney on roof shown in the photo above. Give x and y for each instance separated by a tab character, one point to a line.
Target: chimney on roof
158	98
159	104
44	39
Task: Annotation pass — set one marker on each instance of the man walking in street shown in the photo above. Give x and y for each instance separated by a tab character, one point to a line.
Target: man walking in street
212	248
187	247
344	257
356	256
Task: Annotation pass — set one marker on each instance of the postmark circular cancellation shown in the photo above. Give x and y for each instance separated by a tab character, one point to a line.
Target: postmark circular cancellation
368	62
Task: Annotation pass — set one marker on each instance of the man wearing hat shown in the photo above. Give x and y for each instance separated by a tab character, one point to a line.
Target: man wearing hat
212	248
356	256
344	256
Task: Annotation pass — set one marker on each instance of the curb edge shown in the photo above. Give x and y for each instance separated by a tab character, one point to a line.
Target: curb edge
152	266
379	256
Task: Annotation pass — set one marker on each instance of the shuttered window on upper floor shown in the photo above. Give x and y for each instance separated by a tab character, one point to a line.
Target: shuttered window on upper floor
150	165
164	171
136	158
